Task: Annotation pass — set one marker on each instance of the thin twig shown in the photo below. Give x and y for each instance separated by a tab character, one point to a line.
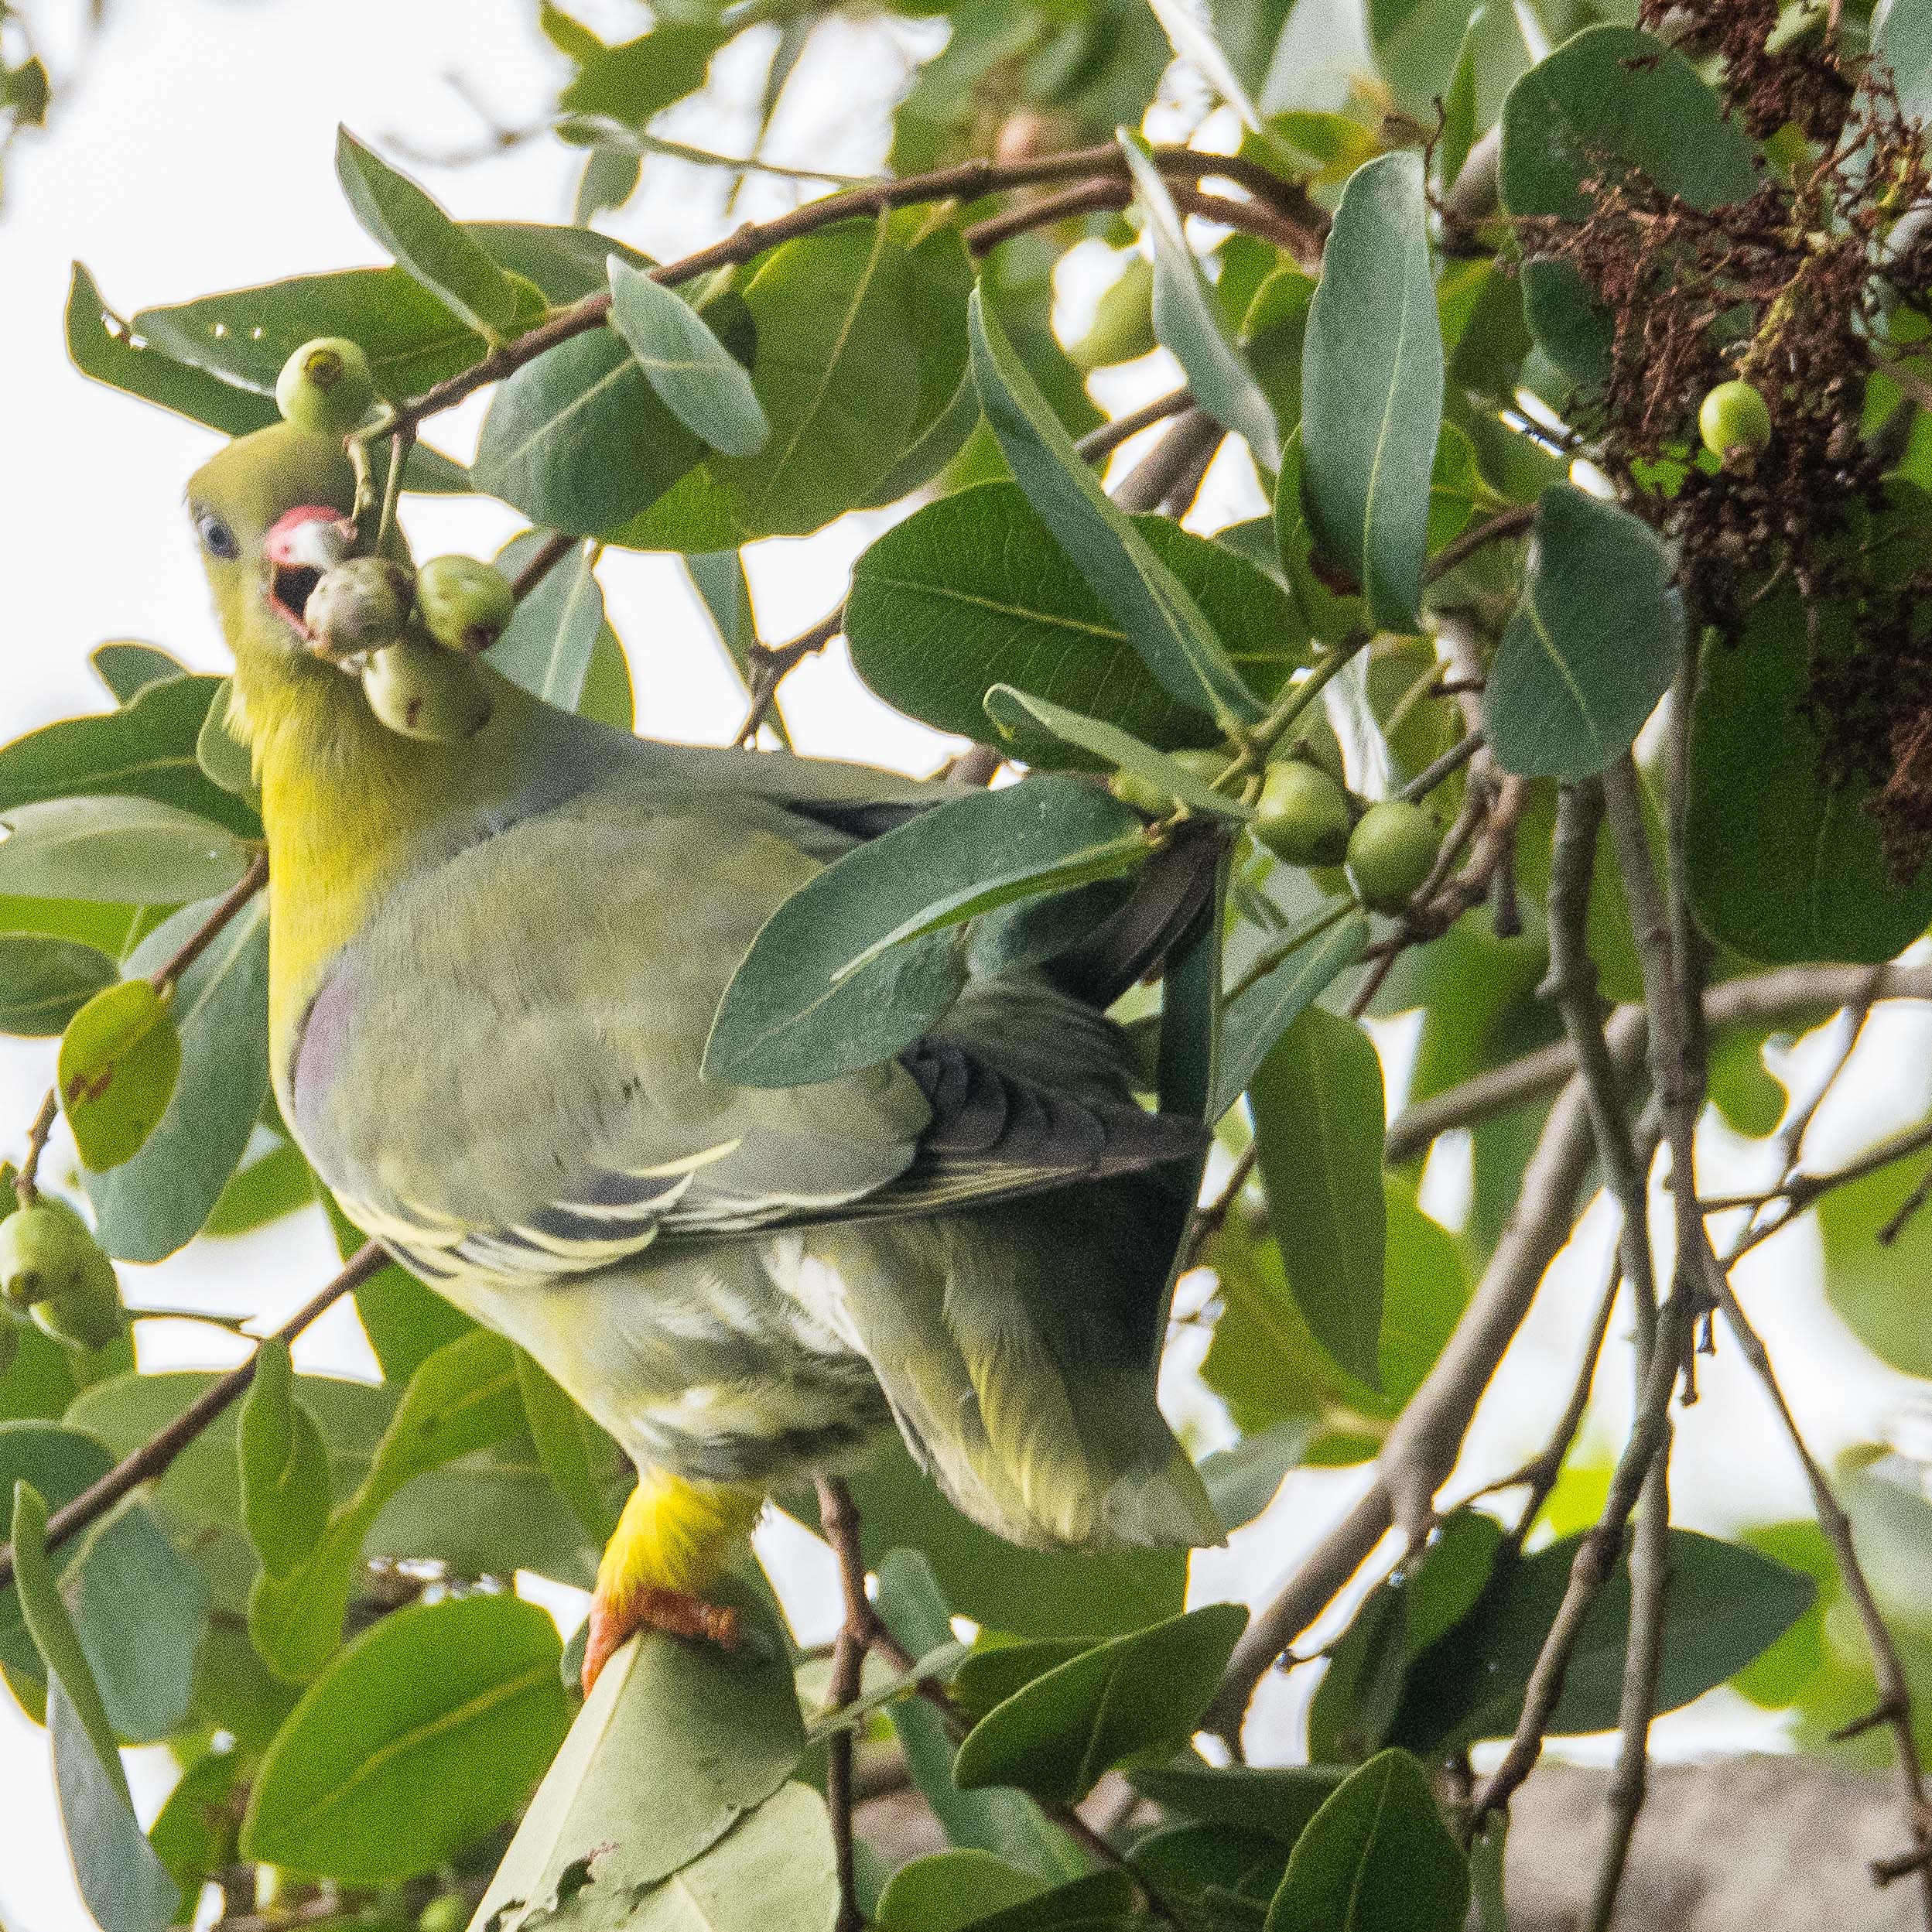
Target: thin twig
25	1191
1450	762
1498	528
1180	458
858	1631
205	934
1099	444
155	1455
770	665
542	560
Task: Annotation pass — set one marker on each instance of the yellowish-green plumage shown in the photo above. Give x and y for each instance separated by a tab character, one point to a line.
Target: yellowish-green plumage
493	966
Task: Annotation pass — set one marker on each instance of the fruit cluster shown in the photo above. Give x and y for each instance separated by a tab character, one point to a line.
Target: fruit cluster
1303	815
409	635
52	1269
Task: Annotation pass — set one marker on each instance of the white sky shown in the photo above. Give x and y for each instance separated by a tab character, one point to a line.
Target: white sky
197	155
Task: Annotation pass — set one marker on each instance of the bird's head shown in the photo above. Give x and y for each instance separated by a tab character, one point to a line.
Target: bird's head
271	513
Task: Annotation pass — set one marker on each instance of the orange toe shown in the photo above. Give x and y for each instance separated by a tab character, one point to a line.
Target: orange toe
678	1613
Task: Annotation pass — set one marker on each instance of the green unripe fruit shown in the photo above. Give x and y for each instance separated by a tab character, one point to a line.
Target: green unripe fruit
1734	421
1123	329
1392	850
326	385
1302	815
444	1912
1144	795
91	1320
1206	765
420	692
45	1249
464	603
360	605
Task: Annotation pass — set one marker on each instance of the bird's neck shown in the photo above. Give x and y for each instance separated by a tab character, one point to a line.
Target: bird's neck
349	809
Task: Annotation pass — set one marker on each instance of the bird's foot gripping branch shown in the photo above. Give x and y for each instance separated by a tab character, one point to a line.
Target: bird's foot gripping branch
720	1129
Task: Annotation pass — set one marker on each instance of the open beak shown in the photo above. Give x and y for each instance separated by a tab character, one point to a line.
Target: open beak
303	545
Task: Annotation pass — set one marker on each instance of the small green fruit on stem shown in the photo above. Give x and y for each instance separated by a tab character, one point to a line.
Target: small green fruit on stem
326	385
361	605
1735	422
1144	795
464	603
50	1263
1391	852
420	692
1302	815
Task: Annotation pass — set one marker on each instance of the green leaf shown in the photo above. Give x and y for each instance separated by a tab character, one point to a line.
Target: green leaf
1593	647
140	1611
145	750
635	82
1100	1902
973	591
284	1463
1187	318
675	1745
1371	388
127	667
126	1887
577	440
193	1834
45	981
1133	1697
564	264
1903	42
1011	710
120	850
1610	96
426	1733
1876	1288
948	1890
1003	1823
1318	1117
1253	1021
105	348
861	960
1781	866
1273	1804
397	214
275	1183
119	1058
832	321
1159	616
464	1397
1571	328
1375	1857
222	756
158	1199
575	1454
696	378
555	636
1726	1604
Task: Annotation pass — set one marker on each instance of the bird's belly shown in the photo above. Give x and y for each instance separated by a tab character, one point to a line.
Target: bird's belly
694	1359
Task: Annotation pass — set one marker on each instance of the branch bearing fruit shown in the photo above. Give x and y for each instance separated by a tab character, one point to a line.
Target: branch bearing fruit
1735	422
463	604
326	385
361	605
421	692
1302	815
1391	851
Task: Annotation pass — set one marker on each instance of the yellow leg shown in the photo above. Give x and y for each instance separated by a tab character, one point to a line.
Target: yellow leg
672	1539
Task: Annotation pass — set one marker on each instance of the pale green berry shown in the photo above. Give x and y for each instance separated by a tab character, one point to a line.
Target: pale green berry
420	692
1302	815
326	385
464	603
1735	422
1391	851
360	605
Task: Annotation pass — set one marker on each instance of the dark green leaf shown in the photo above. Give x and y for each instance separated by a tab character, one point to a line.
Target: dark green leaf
861	959
1133	1697
119	1058
194	1833
119	850
1571	327
1593	647
1257	1019
157	1200
397	214
576	1454
948	1890
1318	1117
637	80
145	750
45	981
1187	319
127	668
1372	389
426	1733
284	1463
1375	1857
973	591
276	1183
102	346
1276	1803
1903	42
126	1887
1611	96
676	1743
696	378
1100	1902
1783	867
1159	616
1726	1604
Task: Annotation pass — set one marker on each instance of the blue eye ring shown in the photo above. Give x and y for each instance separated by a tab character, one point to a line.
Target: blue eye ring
217	539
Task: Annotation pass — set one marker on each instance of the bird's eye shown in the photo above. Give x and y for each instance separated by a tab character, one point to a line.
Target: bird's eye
217	539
